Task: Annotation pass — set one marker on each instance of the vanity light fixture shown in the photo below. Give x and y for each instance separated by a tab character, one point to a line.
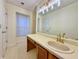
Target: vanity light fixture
48	4
43	9
22	3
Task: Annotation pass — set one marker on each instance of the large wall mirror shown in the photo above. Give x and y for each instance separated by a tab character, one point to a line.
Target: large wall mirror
63	20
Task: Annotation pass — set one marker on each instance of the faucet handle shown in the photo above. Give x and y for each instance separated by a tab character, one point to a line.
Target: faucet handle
63	35
57	38
59	35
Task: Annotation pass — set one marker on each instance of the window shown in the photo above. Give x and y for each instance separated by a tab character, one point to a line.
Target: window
22	25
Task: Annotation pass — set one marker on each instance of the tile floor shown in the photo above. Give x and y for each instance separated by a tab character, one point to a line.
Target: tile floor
19	52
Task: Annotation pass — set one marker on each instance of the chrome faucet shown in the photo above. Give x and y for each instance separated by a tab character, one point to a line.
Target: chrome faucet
60	38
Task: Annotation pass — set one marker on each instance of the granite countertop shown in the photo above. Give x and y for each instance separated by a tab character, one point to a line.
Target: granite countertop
42	40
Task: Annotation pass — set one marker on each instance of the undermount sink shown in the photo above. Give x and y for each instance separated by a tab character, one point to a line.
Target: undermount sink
60	47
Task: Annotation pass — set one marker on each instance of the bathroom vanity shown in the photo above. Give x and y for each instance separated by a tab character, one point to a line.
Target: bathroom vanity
44	51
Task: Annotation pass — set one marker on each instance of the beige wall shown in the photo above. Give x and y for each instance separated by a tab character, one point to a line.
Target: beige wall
34	21
11	11
64	20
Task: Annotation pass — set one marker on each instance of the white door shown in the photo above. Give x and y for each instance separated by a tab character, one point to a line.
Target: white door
4	35
2	29
0	35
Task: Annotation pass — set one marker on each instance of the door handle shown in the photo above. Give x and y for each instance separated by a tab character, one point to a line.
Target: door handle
6	41
3	31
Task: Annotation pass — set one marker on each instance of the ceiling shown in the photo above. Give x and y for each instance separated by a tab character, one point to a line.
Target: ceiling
30	4
67	2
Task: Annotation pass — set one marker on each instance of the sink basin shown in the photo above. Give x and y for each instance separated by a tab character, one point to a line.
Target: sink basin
60	47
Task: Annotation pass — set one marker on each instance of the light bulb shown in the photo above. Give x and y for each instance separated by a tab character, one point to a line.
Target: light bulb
39	11
52	7
46	9
43	12
58	3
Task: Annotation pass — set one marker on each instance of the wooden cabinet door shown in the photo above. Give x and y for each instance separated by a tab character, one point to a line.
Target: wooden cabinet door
42	53
30	44
50	56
